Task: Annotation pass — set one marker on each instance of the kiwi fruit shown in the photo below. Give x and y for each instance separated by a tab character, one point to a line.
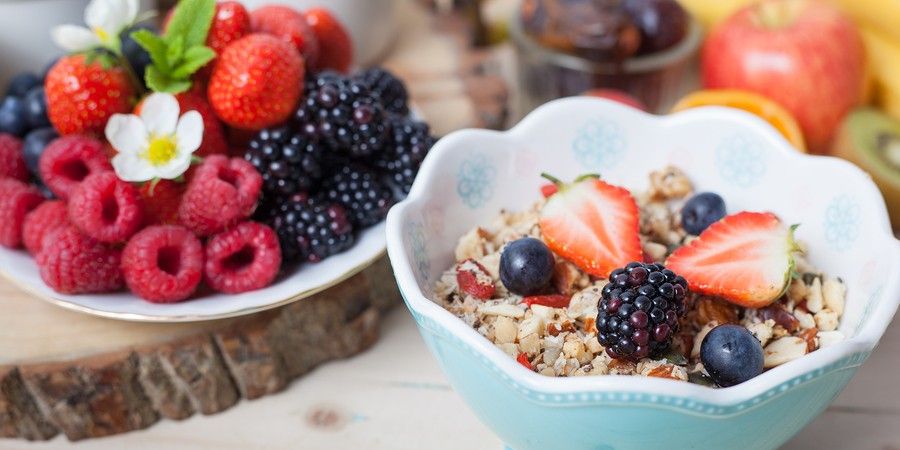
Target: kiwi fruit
871	140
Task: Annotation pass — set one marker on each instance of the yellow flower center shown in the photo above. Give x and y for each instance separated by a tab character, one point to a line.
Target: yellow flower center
102	34
161	150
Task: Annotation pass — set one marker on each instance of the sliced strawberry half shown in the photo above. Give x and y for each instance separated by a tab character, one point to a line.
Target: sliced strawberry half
745	258
593	224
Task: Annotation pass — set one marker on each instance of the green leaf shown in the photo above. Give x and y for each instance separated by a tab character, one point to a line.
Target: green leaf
160	82
155	47
175	50
194	59
191	20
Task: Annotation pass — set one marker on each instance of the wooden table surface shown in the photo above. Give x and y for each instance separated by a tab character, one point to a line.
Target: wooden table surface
394	397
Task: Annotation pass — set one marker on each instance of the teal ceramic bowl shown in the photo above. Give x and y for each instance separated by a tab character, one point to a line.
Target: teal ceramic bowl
470	175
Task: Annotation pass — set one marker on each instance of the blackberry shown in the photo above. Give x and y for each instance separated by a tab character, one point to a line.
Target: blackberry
639	310
343	113
289	162
359	190
388	88
310	230
409	144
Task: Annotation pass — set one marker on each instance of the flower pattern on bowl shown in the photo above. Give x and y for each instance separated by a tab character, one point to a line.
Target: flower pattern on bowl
475	180
842	222
741	160
419	250
599	145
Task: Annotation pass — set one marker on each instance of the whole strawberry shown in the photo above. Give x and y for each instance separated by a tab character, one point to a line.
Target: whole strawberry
257	82
230	23
81	97
335	46
289	25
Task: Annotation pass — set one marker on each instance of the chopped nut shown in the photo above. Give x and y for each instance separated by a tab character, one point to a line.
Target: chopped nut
814	300
593	345
546	313
505	330
502	309
711	309
809	335
797	290
669	371
781	317
655	250
572	349
510	349
590	325
669	183
700	336
555	329
548	371
531	325
828	338
827	320
567	278
762	331
805	319
784	349
584	303
834	293
471	245
530	344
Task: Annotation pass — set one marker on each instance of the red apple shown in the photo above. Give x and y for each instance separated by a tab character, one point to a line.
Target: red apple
618	96
803	54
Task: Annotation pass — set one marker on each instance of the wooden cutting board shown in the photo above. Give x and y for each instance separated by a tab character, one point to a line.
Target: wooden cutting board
85	377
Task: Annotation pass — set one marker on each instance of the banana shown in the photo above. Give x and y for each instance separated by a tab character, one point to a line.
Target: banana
884	58
890	102
881	14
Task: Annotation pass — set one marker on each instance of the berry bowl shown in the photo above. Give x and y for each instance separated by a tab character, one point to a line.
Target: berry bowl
471	175
293	284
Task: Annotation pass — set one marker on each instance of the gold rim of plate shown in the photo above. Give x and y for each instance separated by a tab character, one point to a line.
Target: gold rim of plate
133	317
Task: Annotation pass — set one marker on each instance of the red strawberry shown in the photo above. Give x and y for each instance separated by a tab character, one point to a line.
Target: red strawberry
552	301
745	258
523	360
474	279
214	142
82	97
593	224
289	25
230	23
548	190
257	82
335	46
161	201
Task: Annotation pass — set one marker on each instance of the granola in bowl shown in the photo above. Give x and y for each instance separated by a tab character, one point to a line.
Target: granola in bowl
661	283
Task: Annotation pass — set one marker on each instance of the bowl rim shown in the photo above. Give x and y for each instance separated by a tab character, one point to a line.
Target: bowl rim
847	354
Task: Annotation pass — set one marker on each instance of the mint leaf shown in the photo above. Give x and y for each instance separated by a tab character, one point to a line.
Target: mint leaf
155	47
175	50
191	20
159	82
194	59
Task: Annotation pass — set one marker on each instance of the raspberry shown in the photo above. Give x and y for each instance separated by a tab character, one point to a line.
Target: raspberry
160	201
106	208
221	193
44	219
73	263
163	263
16	200
242	259
639	311
11	162
69	160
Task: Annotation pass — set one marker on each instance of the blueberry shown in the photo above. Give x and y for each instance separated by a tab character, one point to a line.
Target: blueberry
136	55
34	144
36	108
12	116
731	355
701	211
526	266
22	83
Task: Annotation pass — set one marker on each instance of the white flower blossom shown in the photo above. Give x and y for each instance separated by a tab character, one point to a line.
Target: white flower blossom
105	19
157	144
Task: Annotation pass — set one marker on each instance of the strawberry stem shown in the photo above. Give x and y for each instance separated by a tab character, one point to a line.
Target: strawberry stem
559	183
587	176
551	178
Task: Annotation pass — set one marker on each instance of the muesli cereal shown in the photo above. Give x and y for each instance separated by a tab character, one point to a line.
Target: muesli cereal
593	280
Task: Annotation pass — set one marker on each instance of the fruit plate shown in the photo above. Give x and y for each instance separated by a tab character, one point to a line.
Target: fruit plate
294	284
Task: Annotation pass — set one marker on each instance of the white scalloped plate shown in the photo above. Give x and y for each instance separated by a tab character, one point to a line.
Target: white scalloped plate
303	281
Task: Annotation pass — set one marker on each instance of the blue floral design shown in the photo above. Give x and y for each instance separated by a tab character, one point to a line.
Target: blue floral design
871	305
599	145
842	219
741	160
475	180
419	250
